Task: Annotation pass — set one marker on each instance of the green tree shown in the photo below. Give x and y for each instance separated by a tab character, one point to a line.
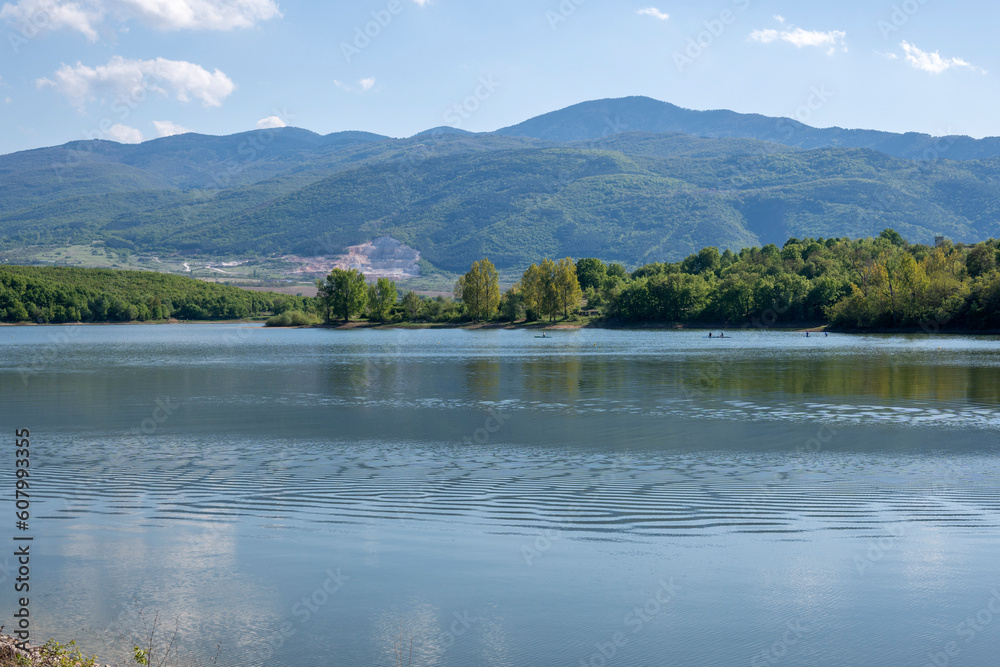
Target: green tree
982	259
733	300
893	237
678	297
617	271
707	260
382	297
512	304
591	273
538	284
411	305
343	294
18	313
567	285
479	290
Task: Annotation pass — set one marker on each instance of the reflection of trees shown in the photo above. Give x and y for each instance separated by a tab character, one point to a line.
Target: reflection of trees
603	376
482	378
877	377
874	376
376	376
557	378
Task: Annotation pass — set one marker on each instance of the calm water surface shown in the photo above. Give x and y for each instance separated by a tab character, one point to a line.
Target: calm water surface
314	497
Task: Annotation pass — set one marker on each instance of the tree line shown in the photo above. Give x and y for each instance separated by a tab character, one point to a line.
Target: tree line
65	294
880	282
545	291
872	283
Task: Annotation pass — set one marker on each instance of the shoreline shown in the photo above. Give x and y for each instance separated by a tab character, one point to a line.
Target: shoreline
50	654
792	327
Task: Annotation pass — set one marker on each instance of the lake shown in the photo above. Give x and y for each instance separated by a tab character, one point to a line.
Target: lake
320	497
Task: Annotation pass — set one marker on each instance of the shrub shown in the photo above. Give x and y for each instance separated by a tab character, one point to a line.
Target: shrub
291	318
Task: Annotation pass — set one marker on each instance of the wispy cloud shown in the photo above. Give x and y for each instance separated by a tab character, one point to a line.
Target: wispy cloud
832	40
654	12
364	85
121	78
88	16
124	134
166	128
933	63
270	123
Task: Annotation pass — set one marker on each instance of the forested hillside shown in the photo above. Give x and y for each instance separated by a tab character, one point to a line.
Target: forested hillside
632	197
58	294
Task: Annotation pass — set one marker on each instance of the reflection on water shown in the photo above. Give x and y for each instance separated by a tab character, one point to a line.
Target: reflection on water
321	497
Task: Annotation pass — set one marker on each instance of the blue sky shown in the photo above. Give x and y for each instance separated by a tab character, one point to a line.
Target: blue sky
131	70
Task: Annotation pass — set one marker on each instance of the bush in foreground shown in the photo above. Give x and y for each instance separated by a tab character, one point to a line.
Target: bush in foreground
291	318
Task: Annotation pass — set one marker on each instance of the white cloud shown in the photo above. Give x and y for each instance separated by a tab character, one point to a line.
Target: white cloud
779	18
56	15
131	80
654	12
765	36
364	84
798	37
86	16
199	14
124	134
933	63
270	122
422	3
167	128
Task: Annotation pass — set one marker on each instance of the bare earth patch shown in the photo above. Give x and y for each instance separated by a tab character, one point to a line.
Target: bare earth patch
385	257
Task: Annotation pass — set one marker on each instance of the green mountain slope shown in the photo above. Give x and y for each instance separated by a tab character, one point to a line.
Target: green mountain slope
575	189
596	119
520	205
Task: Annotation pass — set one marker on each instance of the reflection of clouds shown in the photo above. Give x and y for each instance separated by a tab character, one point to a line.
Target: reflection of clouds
193	563
930	563
435	632
394	629
496	649
157	538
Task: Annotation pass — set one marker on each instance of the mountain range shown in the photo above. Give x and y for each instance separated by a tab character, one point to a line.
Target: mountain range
633	180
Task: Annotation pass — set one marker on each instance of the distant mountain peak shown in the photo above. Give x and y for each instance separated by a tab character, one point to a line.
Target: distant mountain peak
595	119
442	129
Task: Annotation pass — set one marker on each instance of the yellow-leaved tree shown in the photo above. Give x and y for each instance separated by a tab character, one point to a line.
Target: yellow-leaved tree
479	290
568	291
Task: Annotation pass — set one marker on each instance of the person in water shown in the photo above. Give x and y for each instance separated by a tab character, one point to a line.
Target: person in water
709	334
